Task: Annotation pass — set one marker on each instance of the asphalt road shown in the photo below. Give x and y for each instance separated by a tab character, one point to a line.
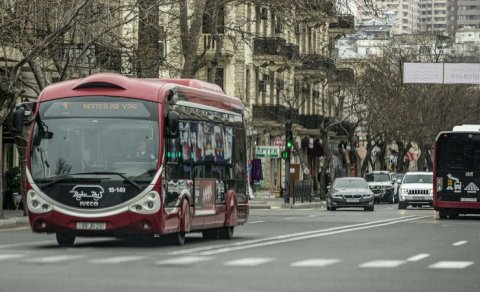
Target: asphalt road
278	250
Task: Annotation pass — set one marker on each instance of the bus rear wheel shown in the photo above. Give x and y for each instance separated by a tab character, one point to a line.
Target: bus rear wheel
179	238
65	239
226	232
442	214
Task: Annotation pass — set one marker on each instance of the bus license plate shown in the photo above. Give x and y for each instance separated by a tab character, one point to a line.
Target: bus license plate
91	225
468	199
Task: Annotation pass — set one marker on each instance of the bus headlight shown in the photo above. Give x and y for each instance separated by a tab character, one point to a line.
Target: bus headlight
36	204
149	204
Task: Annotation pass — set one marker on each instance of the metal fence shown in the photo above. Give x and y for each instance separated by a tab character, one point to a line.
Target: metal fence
302	190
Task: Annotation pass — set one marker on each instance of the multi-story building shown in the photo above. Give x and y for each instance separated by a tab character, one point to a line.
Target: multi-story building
464	13
434	16
278	62
405	13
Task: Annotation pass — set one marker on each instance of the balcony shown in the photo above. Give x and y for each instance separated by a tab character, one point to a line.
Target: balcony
345	24
208	45
269	46
344	75
326	7
315	62
269	113
92	56
310	121
314	65
292	51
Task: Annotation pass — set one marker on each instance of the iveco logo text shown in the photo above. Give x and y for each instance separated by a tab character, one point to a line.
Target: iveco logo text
81	192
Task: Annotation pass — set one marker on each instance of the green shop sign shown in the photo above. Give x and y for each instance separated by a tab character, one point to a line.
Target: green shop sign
267	152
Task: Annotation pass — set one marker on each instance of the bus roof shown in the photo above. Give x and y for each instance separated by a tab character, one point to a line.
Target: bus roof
112	84
466	128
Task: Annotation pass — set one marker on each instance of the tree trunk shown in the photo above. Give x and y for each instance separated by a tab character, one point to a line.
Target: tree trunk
190	36
148	38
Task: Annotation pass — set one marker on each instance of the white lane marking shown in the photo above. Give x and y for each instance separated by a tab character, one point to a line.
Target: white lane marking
10	256
255	222
117	260
450	265
289	238
459	243
312	216
15	229
183	260
315	263
250	262
382	264
53	259
418	257
290	218
27	243
295	235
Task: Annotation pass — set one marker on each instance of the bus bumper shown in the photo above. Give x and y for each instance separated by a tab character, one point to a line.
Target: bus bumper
126	223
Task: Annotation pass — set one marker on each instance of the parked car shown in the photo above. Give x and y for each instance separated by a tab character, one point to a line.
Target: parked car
416	190
347	192
382	183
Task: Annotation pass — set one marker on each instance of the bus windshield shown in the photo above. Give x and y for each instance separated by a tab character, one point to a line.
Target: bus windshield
96	138
459	151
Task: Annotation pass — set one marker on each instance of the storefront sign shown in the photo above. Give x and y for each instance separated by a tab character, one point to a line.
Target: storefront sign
267	152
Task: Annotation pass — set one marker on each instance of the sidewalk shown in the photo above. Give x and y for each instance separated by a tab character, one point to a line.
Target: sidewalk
265	200
13	218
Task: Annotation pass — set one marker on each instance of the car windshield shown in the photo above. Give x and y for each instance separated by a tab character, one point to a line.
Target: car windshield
377	177
418	178
350	184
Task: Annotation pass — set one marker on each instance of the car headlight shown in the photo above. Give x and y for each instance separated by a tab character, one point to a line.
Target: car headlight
337	195
404	191
431	192
368	195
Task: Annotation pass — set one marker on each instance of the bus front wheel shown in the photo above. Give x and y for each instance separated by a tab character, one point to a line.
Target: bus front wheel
65	239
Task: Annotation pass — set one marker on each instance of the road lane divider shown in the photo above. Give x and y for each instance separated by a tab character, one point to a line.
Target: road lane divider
222	248
418	257
459	243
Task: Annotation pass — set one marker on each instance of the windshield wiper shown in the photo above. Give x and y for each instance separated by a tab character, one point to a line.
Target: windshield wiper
59	179
122	175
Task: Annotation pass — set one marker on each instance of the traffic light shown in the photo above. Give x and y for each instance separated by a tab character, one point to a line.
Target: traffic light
289	143
285	154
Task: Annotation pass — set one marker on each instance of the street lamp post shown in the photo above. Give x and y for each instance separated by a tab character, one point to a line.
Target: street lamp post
286	155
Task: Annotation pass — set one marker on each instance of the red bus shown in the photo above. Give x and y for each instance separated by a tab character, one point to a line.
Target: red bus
116	156
457	172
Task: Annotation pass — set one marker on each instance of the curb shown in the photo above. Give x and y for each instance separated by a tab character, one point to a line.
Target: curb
14	222
304	205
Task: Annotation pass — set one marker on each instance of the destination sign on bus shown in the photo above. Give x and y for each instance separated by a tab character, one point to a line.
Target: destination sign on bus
96	109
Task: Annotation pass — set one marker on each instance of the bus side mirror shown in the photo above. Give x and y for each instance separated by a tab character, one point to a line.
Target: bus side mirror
23	114
17	119
172	125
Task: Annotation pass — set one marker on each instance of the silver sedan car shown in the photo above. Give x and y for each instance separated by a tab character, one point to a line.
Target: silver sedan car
347	192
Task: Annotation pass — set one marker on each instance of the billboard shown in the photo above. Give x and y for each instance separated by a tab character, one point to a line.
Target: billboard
441	73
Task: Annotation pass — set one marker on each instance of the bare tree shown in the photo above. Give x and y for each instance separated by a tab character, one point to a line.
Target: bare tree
413	112
50	40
